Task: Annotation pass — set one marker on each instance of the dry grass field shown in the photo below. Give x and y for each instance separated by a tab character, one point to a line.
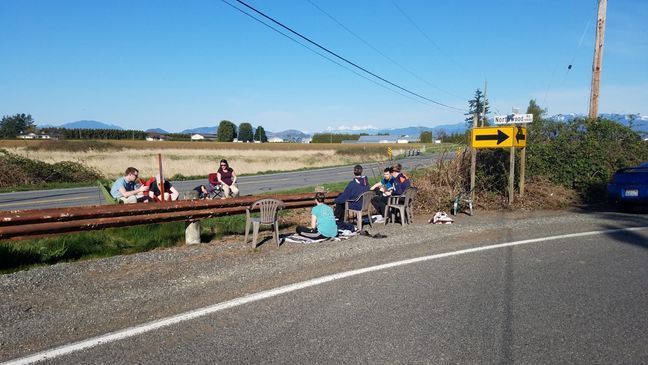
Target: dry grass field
201	158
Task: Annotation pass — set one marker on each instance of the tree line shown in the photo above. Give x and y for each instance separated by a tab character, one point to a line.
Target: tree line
227	132
20	124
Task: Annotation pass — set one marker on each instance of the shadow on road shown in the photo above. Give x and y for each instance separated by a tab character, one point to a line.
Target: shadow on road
636	217
628	237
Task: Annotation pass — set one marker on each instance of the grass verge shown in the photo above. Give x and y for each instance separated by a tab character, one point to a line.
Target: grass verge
25	254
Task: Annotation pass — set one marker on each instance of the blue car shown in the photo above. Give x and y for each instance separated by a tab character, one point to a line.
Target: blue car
629	187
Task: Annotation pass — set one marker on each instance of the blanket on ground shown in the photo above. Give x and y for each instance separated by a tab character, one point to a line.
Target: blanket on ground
342	235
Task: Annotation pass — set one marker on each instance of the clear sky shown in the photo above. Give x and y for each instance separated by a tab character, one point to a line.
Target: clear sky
185	64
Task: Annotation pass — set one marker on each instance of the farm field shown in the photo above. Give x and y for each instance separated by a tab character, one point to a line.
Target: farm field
201	158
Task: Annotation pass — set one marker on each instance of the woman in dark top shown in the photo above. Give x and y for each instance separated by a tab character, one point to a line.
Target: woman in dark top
227	178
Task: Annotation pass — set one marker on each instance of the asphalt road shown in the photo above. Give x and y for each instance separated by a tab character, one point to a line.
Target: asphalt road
570	300
252	184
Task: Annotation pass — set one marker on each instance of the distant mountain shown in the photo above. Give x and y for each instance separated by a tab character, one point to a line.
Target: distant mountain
375	131
638	122
406	131
201	130
289	135
156	130
89	124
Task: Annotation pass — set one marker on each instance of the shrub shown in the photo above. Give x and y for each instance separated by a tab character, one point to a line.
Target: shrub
25	171
440	184
583	154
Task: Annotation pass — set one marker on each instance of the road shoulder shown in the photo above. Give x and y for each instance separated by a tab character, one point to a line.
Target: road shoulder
50	306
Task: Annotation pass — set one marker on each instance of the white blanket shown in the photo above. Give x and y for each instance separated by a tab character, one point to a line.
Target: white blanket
342	235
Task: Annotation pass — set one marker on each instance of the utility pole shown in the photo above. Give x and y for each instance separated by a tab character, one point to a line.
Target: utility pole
598	59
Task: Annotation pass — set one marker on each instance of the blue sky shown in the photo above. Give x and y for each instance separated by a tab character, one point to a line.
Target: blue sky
184	64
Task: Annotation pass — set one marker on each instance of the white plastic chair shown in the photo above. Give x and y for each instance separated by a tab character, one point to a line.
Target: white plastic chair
268	213
404	209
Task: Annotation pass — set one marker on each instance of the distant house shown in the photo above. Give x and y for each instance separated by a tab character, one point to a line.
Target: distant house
34	136
153	136
437	141
275	140
384	139
307	140
204	137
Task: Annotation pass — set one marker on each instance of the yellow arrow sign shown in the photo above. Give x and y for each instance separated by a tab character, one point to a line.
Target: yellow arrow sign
498	137
519	140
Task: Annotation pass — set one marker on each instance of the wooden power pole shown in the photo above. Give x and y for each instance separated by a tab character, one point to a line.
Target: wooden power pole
598	59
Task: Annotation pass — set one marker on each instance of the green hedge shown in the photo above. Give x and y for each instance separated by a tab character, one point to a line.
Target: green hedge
21	171
582	154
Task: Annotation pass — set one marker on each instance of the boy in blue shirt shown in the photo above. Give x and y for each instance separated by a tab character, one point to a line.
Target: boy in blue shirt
386	184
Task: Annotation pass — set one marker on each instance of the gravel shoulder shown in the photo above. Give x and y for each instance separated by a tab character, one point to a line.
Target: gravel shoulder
50	306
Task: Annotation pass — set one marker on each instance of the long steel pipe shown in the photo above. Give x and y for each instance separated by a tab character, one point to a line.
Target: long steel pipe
18	217
94	218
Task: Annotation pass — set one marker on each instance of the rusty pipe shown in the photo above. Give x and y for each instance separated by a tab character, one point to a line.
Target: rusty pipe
20	217
48	228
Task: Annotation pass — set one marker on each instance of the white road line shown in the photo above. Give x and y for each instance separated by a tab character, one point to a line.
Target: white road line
183	317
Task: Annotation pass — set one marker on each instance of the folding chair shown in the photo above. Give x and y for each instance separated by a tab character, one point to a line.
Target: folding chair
214	188
463	197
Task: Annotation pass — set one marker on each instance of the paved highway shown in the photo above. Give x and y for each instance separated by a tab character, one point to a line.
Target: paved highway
576	298
252	184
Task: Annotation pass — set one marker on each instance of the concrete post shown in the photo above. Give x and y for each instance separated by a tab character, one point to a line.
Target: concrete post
192	232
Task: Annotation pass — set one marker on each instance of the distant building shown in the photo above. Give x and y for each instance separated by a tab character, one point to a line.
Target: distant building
275	140
153	136
204	137
34	136
307	140
437	141
383	139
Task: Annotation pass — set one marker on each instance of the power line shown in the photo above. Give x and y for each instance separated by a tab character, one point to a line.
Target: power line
417	27
378	51
571	61
322	55
344	59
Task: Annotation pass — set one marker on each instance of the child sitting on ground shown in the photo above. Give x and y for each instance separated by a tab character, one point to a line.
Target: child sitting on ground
322	221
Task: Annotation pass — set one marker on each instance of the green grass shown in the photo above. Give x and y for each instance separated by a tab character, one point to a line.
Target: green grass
20	255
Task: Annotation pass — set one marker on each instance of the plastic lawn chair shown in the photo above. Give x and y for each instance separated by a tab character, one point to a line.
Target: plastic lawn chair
268	209
404	208
365	210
